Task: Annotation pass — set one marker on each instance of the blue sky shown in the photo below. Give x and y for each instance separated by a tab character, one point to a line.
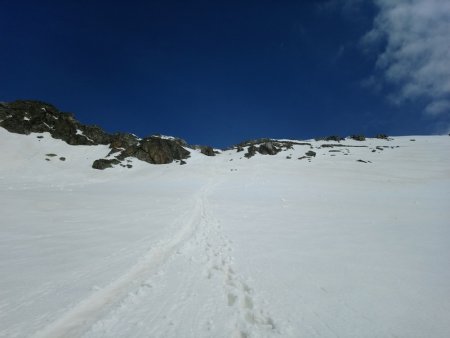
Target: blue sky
219	72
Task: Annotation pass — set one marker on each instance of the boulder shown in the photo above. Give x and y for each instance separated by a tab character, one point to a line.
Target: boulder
251	151
102	164
155	150
268	148
208	151
358	137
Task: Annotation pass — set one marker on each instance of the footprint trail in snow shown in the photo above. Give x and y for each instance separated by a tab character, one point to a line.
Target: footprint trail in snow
191	278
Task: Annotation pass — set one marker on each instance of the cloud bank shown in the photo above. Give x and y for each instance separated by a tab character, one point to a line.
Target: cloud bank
415	57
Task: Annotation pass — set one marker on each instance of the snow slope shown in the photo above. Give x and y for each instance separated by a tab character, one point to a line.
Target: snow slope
226	246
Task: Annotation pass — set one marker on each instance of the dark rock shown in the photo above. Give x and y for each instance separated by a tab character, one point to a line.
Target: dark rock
208	151
251	151
280	144
123	140
155	150
239	149
361	161
310	153
381	136
129	166
51	155
327	145
253	142
268	148
412	140
182	162
95	134
40	136
62	158
335	138
102	164
358	137
25	117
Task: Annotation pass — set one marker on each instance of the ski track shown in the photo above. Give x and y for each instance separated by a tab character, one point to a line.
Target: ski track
79	319
201	236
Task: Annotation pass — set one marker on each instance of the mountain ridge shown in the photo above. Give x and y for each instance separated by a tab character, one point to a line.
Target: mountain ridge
33	116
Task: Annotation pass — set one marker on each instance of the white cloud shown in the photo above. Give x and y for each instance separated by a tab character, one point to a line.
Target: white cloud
415	59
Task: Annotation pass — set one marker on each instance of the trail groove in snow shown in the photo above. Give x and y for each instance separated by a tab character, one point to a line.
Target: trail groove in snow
271	247
79	319
200	275
248	317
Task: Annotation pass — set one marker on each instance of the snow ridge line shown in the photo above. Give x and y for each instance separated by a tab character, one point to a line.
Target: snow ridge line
79	319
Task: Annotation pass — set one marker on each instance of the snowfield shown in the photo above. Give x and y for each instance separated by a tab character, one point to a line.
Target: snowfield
226	246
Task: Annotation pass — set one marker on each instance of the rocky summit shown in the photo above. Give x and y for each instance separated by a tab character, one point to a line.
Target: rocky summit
27	116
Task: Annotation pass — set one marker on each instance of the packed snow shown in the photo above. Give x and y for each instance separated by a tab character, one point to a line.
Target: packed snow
226	246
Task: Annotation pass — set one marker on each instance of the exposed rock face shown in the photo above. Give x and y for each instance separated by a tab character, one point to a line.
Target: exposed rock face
251	151
335	138
155	150
358	137
123	140
208	151
310	153
382	136
268	148
25	117
104	163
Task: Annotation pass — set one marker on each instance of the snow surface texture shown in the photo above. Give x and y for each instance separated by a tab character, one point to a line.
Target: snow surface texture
226	246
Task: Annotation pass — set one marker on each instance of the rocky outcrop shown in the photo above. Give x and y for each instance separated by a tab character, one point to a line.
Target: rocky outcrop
335	138
251	151
266	146
358	137
104	163
123	140
25	117
208	151
155	150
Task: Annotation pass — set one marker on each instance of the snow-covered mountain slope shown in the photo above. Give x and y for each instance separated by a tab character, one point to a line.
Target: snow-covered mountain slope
225	246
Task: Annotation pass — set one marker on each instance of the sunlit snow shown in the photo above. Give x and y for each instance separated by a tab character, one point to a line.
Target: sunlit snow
225	246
